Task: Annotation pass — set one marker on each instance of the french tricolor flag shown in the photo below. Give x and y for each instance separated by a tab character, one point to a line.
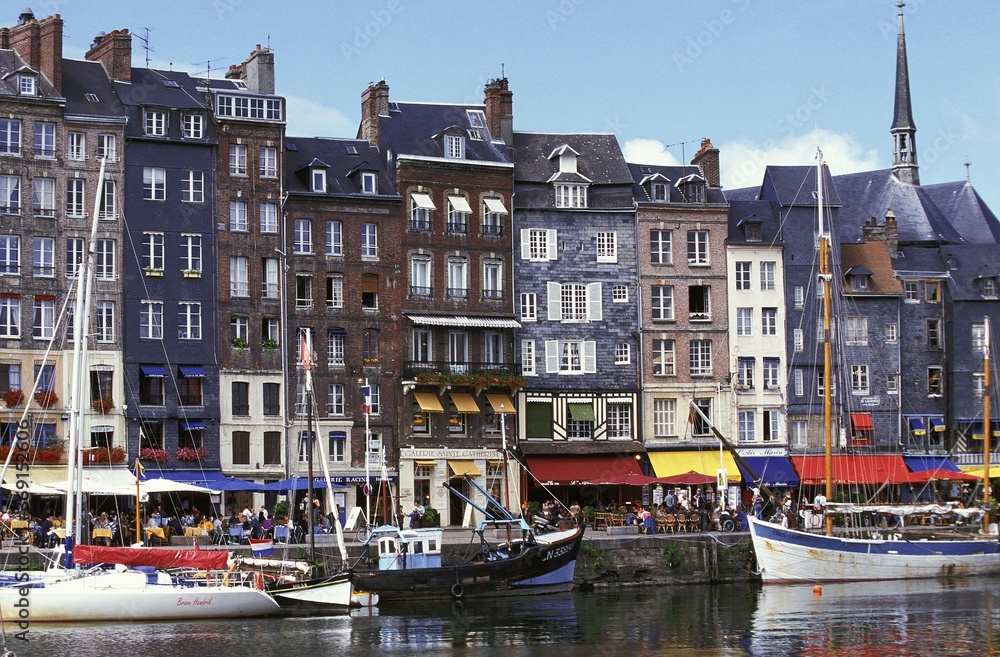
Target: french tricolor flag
262	547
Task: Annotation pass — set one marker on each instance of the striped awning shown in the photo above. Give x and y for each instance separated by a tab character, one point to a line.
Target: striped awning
428	402
463	321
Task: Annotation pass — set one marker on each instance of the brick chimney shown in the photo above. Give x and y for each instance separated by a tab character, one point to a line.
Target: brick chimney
707	158
500	110
257	71
891	233
374	103
115	52
39	44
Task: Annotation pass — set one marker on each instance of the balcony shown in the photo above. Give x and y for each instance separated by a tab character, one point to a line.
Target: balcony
421	291
456	227
419	225
458	293
494	230
412	369
493	295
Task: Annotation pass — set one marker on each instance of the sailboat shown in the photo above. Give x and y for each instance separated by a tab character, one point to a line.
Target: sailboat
786	555
198	585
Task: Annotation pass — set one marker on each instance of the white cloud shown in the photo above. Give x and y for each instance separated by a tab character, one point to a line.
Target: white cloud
307	118
742	162
648	151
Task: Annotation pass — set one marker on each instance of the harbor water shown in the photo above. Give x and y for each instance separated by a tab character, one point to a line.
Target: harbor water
940	618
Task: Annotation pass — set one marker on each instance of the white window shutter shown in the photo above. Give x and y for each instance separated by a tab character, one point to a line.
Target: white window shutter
589	356
554	300
525	244
595	309
552	356
552	242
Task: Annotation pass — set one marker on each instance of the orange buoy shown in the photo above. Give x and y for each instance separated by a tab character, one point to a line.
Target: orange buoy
817	590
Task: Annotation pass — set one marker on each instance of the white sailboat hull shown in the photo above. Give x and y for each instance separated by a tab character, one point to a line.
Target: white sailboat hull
130	595
327	594
789	556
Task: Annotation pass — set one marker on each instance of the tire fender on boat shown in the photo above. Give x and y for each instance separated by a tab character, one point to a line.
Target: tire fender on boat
258	581
457	591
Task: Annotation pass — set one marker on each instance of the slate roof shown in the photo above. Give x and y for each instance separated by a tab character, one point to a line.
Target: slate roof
917	260
10	64
642	172
870	257
301	152
967	264
81	78
763	211
415	129
966	211
600	159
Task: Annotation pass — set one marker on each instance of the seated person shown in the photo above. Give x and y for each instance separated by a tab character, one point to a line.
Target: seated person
175	526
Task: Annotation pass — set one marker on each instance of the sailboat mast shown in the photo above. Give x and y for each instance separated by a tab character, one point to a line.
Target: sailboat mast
824	276
987	424
305	342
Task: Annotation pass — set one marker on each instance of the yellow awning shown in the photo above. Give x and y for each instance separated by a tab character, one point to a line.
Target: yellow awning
497	400
430	464
669	464
37	474
977	470
464	402
428	402
459	468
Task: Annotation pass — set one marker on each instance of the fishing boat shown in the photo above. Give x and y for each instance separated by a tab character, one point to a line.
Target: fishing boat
788	555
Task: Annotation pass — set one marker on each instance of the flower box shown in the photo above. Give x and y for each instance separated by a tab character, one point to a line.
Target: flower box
192	273
13	397
46	398
103	405
153	272
192	454
154	454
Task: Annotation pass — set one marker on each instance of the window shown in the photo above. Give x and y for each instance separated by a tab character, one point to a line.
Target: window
799	382
269	278
369	183
856	330
44	257
770	424
151	320
659	191
189	393
701	358
10	194
662	307
538	244
151	390
659	247
934	340
934	381
528	357
458	285
10	254
239	285
104	321
529	307
335	291
369	240
105	268
798	340
422	347
978	338
237	160
270	329
663	358
75	198
193	187
700	303
188	321
369	346
744	321
891	333
607	247
318	178
623	354
932	291
747	429
108	209
458	215
268	162
752	231
570	356
742	275
619	422
239	329
191	252
821	385
768	321
241	398
335	399
799	294
193	126
155	123
771	373
892	384
152	251
859	380
493	348
493	280
45	140
572	301
579	429
571	196
271	399
664	417
744	374
767	275
335	347
369	291
420	277
107	147
420	211
374	407
247	107
702	428
303	291
800	437
493	212
238	216
303	236
45	197
272	446
74	255
911	291
154	184
10	137
269	217
454	147
27	85
697	247
10	377
44	318
619	293
334	238
241	445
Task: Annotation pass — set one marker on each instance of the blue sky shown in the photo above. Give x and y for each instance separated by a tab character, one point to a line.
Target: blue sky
768	81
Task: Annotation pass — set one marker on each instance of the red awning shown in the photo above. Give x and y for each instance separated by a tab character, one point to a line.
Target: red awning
209	560
862	421
854	469
589	469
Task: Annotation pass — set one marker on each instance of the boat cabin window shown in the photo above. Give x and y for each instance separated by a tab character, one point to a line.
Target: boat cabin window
387	546
417	547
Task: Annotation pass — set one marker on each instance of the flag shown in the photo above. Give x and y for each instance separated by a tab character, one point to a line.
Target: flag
262	547
366	392
304	354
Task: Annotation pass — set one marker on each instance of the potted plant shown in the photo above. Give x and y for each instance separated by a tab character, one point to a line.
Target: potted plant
431	517
192	273
270	344
103	405
113	455
240	343
46	398
192	454
154	454
13	397
151	271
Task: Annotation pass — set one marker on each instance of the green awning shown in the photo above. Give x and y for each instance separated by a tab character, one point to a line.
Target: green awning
582	412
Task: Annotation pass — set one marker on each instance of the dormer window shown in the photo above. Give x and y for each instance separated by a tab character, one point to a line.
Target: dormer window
859	278
155	123
692	187
477	118
989	287
369	183
318	178
659	192
751	229
571	196
454	147
859	283
27	85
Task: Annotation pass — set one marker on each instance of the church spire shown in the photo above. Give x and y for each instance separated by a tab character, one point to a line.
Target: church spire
904	152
